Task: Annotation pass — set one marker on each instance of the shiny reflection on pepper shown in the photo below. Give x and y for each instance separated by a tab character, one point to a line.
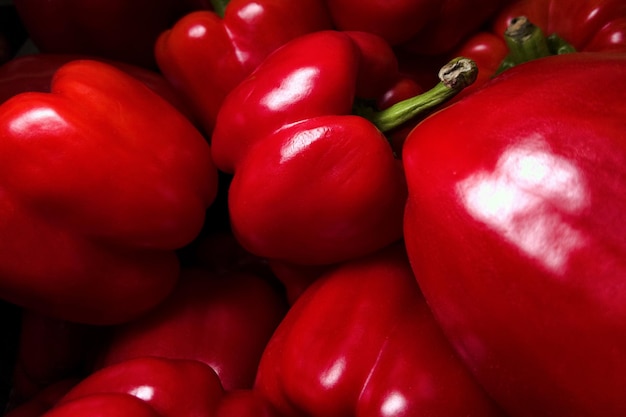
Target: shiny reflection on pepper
394	404
196	31
293	88
144	392
526	199
331	376
250	12
300	141
35	120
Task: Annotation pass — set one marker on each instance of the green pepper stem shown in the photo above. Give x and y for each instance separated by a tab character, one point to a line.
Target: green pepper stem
454	77
219	6
527	42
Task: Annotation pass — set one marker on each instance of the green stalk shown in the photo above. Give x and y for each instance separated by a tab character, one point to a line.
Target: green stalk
454	77
527	42
219	6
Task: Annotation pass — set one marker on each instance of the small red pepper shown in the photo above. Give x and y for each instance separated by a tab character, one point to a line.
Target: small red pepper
102	181
205	54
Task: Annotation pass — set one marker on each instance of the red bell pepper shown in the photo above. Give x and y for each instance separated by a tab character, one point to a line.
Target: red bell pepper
114	29
424	26
361	341
205	54
102	181
223	320
34	72
336	191
515	230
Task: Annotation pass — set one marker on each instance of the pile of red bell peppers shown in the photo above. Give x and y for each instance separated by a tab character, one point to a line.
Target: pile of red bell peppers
313	208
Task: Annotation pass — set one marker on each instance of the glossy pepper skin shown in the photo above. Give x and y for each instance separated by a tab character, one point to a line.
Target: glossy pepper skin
514	228
102	181
425	26
205	55
361	341
312	183
113	29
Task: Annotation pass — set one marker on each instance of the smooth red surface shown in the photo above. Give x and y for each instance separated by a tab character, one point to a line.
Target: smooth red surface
361	341
515	231
205	56
102	181
336	193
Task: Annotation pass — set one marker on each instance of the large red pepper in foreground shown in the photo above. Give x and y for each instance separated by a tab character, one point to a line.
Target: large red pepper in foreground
515	229
101	181
361	341
205	55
